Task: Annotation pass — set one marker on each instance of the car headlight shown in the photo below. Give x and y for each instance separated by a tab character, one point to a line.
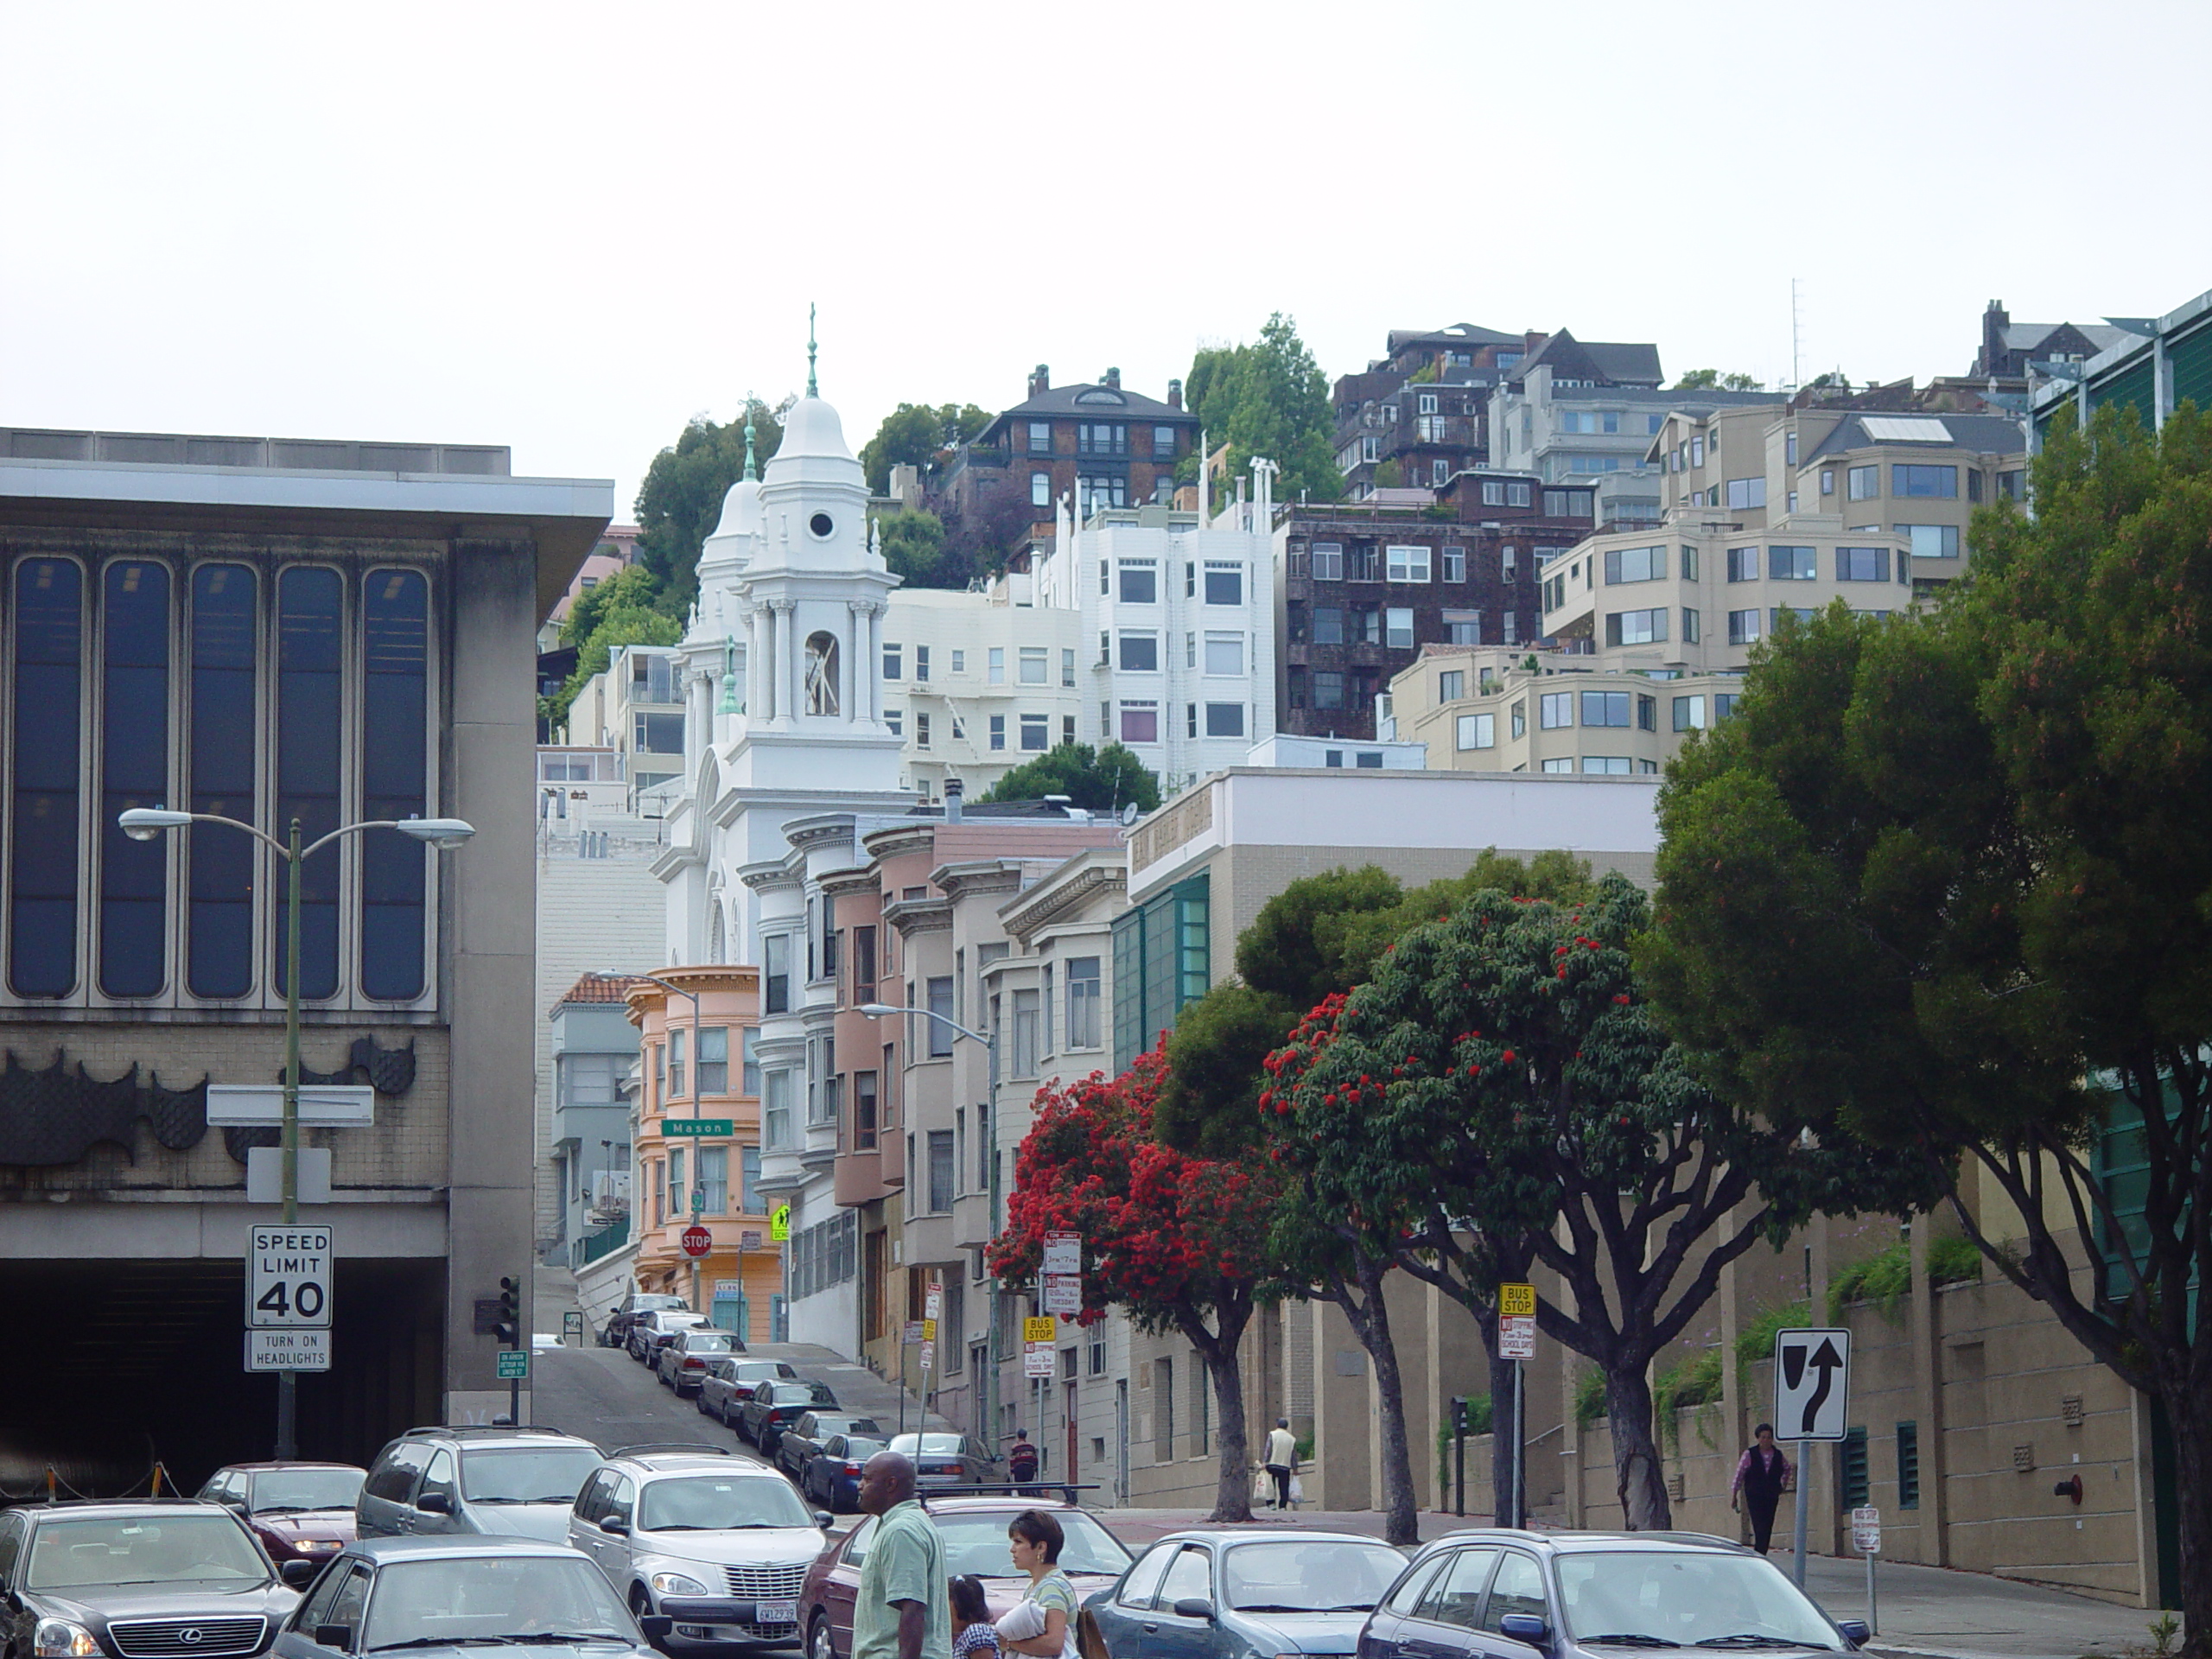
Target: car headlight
315	1546
57	1638
675	1584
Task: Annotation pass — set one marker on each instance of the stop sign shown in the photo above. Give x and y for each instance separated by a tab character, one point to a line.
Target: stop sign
698	1241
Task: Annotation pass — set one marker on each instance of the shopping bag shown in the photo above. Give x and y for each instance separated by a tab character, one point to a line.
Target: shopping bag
1297	1490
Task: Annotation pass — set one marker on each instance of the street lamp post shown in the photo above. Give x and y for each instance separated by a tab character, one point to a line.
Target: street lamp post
144	823
990	1128
698	1276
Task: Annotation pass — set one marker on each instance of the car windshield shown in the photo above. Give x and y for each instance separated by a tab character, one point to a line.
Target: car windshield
1688	1598
172	1548
933	1445
707	1342
666	1323
753	1371
859	1449
719	1503
306	1489
784	1394
526	1474
977	1543
1315	1577
491	1598
654	1304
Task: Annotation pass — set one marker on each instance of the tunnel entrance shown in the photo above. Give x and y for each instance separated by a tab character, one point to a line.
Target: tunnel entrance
120	1362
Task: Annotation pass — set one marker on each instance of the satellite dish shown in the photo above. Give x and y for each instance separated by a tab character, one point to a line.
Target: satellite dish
1129	815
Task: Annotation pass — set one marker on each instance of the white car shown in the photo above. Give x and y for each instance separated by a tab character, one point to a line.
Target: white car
718	1544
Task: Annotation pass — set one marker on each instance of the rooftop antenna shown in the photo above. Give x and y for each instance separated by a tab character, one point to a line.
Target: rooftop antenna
1797	334
810	390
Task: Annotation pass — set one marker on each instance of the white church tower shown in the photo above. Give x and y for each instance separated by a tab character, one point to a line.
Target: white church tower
783	666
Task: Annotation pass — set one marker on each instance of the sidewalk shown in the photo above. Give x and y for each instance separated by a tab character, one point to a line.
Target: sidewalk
1929	1612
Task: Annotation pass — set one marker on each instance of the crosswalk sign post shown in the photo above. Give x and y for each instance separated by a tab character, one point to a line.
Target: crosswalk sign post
1811	1403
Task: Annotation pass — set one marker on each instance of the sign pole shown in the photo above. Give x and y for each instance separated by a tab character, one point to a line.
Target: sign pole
1804	1500
1520	1444
1873	1617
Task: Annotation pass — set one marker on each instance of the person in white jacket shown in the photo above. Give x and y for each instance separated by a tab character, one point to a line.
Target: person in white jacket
1282	1460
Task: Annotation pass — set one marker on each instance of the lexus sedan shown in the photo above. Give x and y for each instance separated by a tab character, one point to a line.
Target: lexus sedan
106	1580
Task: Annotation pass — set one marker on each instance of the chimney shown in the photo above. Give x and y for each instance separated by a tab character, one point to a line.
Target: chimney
953	791
1994	321
1174	394
1113	379
1040	381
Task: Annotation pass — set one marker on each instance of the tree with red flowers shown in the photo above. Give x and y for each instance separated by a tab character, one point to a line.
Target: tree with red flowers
1499	1093
1177	1241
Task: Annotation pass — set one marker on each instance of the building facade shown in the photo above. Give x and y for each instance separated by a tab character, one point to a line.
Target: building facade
267	630
2152	371
592	1049
978	684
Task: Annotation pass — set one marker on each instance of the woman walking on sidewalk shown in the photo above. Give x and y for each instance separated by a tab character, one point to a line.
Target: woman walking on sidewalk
1762	1474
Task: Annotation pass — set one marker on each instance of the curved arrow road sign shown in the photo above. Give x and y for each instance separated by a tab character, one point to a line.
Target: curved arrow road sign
1812	1384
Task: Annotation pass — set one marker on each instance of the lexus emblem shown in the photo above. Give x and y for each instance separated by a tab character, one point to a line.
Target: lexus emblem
190	1638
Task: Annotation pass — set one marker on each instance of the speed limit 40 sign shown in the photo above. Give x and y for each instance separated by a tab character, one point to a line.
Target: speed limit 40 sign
288	1278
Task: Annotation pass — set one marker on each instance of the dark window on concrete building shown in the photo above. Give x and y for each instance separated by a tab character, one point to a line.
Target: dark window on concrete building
309	632
395	734
134	771
219	864
49	632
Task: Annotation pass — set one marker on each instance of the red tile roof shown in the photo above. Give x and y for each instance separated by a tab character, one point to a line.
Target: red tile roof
603	988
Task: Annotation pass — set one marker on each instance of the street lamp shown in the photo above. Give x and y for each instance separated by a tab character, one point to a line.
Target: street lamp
990	1128
144	823
698	1276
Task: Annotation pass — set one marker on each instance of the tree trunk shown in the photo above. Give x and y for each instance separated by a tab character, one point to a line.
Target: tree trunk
1506	1433
2190	1416
1225	1370
1400	1524
1638	1475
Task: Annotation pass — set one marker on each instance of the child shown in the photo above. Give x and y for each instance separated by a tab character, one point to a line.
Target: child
972	1631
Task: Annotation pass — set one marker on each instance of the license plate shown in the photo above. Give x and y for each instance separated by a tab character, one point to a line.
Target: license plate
775	1612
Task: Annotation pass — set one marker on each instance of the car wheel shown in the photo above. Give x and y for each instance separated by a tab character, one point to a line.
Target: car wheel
641	1605
700	1401
819	1642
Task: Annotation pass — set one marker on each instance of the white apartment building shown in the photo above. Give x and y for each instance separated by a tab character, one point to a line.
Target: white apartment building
978	684
634	707
1178	653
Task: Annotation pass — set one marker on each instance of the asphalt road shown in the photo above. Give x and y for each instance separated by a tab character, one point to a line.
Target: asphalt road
610	1400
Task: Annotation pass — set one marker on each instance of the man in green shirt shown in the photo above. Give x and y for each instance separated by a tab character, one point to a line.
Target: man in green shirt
904	1609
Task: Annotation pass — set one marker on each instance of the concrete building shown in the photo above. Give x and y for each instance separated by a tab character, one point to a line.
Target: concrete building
1292	750
978	684
1177	614
268	630
634	707
2152	371
592	1048
1361	589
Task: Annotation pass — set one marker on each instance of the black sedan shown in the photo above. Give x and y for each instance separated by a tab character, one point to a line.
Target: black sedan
798	1444
1594	1595
832	1476
775	1406
103	1580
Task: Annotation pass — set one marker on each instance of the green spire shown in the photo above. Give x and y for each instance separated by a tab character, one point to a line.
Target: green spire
752	472
729	705
810	390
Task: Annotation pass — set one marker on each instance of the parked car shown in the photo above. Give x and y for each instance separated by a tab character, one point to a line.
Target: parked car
832	1475
648	1330
440	1596
680	1363
718	1546
775	1405
798	1444
1584	1595
113	1579
1224	1592
973	1530
299	1511
951	1460
617	1333
729	1383
440	1481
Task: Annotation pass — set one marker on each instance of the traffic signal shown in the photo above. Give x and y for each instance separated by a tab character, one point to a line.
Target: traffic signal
509	1329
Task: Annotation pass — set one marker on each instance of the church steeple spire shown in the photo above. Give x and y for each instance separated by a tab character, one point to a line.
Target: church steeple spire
810	390
752	472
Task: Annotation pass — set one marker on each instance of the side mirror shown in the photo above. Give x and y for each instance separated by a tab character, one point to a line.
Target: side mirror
298	1573
615	1526
656	1626
1194	1607
1524	1627
433	1503
1855	1631
823	1519
339	1636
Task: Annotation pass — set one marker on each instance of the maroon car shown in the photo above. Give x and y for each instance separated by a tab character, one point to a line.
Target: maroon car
299	1511
975	1541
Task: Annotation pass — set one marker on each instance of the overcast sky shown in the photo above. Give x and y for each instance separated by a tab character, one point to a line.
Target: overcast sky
569	228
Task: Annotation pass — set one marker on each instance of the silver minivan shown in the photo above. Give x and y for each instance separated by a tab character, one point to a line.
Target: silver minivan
442	1481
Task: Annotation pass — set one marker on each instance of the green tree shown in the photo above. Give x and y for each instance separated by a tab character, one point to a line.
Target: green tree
1711	380
1269	399
918	435
632	588
1499	1094
916	547
1099	781
680	502
1947	879
629	624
